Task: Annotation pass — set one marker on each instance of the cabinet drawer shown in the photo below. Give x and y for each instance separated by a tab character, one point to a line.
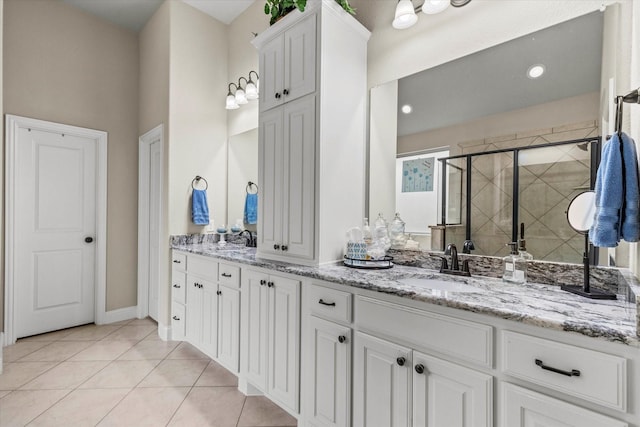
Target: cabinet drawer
229	275
329	303
597	377
179	261
464	340
203	267
178	323
178	288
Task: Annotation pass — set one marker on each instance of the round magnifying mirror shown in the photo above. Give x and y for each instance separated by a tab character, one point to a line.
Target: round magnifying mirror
581	211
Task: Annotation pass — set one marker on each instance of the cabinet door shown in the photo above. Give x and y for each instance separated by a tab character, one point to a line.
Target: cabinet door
284	332
329	398
255	296
382	383
209	299
299	177
270	173
193	322
177	321
229	328
300	59
525	408
446	394
271	73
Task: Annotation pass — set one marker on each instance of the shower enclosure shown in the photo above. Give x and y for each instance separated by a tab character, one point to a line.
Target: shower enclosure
488	195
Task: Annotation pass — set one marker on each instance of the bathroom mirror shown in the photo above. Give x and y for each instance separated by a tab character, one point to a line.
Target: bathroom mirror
242	167
581	211
486	102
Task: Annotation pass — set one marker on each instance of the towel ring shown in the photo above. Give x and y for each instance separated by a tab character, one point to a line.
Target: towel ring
196	180
250	185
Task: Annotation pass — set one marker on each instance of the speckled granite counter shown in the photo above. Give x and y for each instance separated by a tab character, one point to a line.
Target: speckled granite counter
535	304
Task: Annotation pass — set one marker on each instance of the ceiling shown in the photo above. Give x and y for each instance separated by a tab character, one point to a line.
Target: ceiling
494	80
134	14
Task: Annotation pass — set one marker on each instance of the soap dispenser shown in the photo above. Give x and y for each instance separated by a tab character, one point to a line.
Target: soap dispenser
514	266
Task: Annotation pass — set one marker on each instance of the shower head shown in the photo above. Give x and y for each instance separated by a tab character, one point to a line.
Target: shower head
584	146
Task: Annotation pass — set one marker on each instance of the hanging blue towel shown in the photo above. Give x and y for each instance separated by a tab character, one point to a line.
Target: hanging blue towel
251	209
616	194
199	207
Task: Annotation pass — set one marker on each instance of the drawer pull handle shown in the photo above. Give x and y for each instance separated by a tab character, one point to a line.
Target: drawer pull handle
420	368
571	373
342	339
226	275
400	361
176	261
176	286
330	304
176	318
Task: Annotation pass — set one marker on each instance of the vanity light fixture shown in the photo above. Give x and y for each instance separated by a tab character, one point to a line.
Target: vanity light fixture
535	71
231	99
242	95
406	16
406	109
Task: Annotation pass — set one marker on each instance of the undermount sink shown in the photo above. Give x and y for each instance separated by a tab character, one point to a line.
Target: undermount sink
439	285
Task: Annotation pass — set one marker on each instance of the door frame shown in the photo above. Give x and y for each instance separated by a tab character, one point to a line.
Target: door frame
145	142
13	124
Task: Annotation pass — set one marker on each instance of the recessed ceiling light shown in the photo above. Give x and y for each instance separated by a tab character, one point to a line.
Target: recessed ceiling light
407	109
535	71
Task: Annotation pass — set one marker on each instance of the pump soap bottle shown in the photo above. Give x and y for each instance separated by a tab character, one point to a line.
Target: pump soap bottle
514	266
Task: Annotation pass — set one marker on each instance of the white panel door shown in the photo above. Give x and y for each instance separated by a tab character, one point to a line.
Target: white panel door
382	383
193	324
300	59
270	178
271	72
446	394
526	408
299	177
229	328
284	332
56	211
209	340
329	403
155	178
255	318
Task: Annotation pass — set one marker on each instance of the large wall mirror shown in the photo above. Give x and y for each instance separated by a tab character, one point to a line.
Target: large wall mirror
519	125
242	168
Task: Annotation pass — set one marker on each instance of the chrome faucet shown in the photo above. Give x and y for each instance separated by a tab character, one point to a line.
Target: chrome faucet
455	262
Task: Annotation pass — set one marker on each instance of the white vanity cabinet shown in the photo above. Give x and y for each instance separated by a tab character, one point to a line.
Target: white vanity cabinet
205	307
270	350
312	123
288	65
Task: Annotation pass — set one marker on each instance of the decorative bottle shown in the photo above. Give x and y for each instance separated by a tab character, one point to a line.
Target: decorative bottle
514	267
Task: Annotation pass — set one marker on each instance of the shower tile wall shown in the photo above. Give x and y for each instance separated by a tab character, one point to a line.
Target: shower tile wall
549	179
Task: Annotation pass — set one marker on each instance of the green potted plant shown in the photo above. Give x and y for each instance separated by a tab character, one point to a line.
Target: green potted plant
279	8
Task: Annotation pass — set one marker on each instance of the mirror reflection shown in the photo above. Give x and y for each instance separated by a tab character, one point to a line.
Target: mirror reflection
526	129
242	167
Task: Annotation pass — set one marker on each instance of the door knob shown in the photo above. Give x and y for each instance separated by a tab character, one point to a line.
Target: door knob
400	361
420	368
342	339
88	239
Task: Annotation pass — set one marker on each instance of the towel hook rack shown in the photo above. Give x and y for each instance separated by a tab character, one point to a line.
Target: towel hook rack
197	180
251	185
631	98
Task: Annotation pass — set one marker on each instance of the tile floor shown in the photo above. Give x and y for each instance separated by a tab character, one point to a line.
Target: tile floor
122	375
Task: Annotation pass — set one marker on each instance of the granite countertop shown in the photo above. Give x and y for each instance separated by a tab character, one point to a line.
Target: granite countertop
535	304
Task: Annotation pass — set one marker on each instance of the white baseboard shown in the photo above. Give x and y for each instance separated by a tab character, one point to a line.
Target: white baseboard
164	332
1	346
121	314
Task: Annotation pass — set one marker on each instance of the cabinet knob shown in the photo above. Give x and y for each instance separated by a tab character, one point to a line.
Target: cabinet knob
285	248
401	361
218	292
176	286
342	339
420	368
277	95
176	318
263	282
285	92
276	247
270	284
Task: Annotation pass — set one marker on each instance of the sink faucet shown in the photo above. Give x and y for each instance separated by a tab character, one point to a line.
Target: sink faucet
251	239
453	251
455	262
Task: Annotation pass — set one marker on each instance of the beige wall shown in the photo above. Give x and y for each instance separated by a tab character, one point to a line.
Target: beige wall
66	66
243	57
197	117
1	181
153	111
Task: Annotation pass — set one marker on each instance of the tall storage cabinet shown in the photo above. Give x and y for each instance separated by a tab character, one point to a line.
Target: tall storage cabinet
312	133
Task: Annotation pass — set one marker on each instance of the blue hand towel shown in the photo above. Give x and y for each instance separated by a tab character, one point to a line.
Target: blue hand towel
616	194
251	209
199	207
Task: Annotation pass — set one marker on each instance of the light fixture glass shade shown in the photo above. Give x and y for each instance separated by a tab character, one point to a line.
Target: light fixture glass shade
231	103
405	15
241	98
252	91
431	7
